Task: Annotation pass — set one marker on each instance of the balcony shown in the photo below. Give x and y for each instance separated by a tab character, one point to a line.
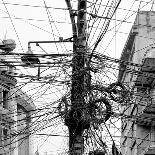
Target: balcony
144	113
147	73
145	80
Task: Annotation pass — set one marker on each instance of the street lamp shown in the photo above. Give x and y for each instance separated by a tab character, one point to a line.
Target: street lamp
30	59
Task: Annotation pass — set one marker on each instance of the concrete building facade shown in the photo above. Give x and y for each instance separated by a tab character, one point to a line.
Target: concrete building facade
137	71
15	112
25	109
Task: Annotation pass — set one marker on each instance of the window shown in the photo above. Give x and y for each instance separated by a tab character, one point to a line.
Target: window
5	99
5	136
5	131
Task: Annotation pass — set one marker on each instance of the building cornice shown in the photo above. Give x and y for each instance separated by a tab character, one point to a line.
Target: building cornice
24	100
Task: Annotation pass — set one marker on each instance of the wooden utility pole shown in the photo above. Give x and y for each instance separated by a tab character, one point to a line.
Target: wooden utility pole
76	119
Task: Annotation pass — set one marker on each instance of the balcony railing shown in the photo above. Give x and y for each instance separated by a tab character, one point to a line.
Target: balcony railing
145	119
145	78
147	73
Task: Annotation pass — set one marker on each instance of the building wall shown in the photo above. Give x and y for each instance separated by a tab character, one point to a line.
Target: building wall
13	141
12	106
23	138
25	108
8	117
137	136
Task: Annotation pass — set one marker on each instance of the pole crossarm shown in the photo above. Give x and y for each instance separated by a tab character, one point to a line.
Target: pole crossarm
61	40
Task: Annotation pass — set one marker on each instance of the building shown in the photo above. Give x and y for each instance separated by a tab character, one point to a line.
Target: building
137	70
15	109
25	109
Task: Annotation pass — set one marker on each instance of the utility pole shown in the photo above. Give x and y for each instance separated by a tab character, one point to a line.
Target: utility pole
76	119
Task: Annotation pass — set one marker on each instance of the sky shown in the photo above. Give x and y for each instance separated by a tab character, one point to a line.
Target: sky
28	20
